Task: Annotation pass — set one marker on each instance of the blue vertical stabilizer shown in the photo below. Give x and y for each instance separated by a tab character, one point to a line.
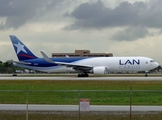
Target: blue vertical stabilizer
23	53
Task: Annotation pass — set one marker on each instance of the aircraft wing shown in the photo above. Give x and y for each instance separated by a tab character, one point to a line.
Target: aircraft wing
77	67
19	62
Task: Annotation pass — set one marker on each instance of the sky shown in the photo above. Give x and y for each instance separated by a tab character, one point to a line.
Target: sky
121	27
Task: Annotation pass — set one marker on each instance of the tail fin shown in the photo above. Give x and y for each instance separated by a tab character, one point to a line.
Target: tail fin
23	53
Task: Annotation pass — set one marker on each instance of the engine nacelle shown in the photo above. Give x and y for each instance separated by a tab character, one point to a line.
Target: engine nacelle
100	70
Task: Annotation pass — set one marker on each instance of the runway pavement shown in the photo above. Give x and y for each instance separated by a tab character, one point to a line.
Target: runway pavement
84	78
19	107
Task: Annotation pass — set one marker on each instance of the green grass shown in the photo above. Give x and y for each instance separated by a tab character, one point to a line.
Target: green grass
67	92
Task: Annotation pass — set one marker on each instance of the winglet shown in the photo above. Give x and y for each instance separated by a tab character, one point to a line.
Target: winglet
47	58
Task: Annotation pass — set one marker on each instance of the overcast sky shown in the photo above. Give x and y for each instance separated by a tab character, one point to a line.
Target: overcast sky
121	27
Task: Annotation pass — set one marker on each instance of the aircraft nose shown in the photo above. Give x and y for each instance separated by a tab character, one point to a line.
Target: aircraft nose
156	64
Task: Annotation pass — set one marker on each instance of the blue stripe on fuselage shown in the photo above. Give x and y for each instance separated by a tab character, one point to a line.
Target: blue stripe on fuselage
41	62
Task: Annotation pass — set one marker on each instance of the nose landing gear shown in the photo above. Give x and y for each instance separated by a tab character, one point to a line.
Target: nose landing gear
146	73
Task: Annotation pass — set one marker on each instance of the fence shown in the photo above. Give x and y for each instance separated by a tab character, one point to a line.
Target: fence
72	97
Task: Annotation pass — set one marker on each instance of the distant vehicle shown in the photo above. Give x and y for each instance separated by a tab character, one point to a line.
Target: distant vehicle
81	65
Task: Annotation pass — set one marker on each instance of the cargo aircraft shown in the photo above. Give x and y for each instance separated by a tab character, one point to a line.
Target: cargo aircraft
82	65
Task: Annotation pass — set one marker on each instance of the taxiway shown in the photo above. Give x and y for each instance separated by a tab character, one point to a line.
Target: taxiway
17	107
85	78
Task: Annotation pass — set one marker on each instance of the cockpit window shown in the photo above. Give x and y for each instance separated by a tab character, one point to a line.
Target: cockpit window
152	61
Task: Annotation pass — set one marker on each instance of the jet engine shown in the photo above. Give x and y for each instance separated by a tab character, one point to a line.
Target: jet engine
100	70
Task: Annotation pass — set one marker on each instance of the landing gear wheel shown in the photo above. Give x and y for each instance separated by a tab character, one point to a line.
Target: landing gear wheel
146	75
86	75
79	75
83	75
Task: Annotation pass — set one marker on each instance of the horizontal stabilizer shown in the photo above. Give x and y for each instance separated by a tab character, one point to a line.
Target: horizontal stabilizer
19	62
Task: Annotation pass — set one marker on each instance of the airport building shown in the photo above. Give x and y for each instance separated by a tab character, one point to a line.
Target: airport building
82	53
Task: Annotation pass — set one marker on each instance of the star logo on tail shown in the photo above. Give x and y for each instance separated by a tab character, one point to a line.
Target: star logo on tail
20	47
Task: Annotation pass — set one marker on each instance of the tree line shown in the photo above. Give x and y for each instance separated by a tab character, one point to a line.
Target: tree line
8	67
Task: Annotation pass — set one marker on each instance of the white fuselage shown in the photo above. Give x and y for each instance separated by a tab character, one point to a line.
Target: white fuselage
118	64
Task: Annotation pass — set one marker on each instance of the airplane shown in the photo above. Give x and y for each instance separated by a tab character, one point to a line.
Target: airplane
81	65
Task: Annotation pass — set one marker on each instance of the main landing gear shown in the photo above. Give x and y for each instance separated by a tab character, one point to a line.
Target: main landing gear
83	75
146	74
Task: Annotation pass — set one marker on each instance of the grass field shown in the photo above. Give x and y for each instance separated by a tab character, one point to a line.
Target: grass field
67	92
